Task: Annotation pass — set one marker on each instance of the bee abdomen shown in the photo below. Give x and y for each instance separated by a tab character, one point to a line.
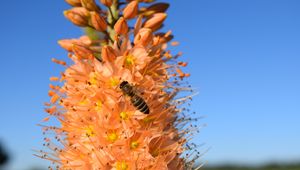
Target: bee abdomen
137	100
145	109
140	104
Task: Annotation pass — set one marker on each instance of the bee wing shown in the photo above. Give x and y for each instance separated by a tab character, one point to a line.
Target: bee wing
137	90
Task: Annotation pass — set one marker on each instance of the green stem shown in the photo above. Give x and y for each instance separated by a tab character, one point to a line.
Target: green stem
113	17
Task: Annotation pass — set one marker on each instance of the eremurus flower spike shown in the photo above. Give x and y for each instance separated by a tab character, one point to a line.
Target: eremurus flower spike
101	125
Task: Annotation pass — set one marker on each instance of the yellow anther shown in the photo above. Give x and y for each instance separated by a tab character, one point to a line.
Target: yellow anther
123	115
134	144
129	59
112	137
89	131
93	78
114	82
98	106
83	102
122	165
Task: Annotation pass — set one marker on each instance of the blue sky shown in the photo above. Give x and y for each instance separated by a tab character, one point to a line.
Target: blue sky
243	57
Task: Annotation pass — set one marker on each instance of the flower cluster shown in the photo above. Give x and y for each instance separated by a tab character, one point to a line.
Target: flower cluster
100	128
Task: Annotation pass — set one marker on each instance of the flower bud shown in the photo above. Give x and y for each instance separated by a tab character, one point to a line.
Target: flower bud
90	5
78	16
121	26
98	22
156	8
74	2
155	21
107	3
131	10
82	52
66	44
108	53
144	37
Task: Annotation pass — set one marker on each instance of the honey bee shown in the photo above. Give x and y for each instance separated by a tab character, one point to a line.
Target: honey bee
137	101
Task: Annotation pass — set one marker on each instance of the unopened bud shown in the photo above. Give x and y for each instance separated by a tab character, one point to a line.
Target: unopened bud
108	53
155	21
131	10
78	16
144	37
82	52
98	22
66	44
74	2
90	5
107	3
156	8
121	26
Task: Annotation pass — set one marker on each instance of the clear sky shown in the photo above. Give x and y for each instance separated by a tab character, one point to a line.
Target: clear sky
244	59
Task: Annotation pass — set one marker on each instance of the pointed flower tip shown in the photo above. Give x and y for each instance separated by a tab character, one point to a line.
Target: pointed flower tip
66	44
98	22
90	5
155	21
121	26
131	10
82	52
78	16
108	53
75	3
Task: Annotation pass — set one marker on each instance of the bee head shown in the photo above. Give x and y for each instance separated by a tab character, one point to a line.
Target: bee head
123	84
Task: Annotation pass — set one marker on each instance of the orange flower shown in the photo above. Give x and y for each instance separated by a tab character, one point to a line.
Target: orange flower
100	128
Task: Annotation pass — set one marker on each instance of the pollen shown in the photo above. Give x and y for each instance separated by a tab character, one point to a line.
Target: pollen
83	102
98	106
134	144
129	60
89	131
122	165
112	137
93	78
123	115
114	82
